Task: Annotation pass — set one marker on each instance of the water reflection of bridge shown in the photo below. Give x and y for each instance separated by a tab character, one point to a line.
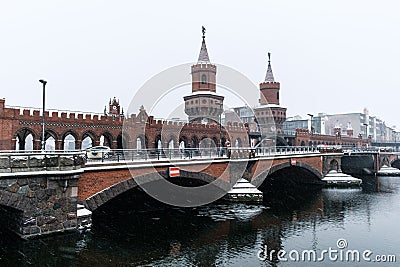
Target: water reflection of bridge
155	235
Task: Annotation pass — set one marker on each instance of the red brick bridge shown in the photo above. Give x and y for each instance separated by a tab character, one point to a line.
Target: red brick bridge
102	182
39	192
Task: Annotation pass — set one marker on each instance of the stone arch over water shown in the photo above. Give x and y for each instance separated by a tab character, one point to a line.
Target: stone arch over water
186	179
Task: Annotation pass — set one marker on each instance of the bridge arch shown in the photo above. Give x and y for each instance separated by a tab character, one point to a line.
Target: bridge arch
172	142
215	140
88	139
107	139
69	140
158	144
141	142
396	163
187	179
194	142
384	161
19	202
51	138
25	139
238	143
183	139
123	141
300	173
333	165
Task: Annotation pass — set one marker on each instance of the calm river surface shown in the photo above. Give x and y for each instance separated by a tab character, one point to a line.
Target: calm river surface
222	234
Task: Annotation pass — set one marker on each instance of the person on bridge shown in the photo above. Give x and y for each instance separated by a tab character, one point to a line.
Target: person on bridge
228	148
189	152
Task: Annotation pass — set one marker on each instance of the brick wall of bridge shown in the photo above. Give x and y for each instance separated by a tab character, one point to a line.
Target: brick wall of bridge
92	182
20	123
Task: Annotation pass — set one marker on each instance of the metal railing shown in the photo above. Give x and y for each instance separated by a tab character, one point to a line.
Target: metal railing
193	153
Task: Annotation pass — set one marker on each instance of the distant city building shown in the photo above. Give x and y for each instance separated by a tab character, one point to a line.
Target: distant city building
349	124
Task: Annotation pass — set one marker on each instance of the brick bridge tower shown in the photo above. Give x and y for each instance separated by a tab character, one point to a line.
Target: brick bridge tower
270	115
203	105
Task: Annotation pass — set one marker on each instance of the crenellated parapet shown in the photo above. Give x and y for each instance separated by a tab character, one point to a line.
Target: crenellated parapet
305	137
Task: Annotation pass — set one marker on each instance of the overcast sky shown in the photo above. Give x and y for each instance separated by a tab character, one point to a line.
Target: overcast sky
330	56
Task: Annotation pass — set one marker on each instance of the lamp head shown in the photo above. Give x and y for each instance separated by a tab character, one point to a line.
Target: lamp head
43	81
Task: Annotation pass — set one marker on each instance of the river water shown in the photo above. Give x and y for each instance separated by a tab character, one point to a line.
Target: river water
130	232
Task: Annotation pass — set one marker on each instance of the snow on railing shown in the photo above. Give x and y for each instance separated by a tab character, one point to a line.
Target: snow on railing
26	161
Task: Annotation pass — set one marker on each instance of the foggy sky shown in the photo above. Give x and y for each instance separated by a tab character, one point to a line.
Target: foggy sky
330	56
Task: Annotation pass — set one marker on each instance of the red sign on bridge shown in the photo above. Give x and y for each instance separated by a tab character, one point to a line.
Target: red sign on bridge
174	172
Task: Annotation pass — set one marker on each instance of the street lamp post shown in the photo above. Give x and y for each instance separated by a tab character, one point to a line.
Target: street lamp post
220	127
44	99
311	116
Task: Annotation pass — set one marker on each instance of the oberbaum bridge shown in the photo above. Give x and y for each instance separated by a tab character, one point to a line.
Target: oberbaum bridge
40	190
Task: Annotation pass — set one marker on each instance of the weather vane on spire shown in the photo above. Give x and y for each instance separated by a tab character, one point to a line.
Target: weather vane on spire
269	57
203	30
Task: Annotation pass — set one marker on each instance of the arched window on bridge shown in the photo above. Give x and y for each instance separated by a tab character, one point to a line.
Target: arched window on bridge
29	142
182	146
238	143
24	144
101	140
159	144
87	142
138	144
50	144
171	144
69	142
24	139
204	143
105	140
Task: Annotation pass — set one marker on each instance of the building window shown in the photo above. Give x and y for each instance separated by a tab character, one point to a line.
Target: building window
204	101
203	79
277	95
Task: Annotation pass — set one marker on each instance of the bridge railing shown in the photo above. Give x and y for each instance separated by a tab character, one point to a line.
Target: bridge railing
195	153
155	154
25	161
260	151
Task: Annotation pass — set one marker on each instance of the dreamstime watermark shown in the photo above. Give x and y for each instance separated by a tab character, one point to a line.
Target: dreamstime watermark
340	253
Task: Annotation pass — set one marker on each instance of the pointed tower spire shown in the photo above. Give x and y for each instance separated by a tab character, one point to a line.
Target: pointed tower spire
203	56
269	78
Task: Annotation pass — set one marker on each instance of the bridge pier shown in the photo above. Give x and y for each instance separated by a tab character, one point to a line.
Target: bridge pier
39	205
38	193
